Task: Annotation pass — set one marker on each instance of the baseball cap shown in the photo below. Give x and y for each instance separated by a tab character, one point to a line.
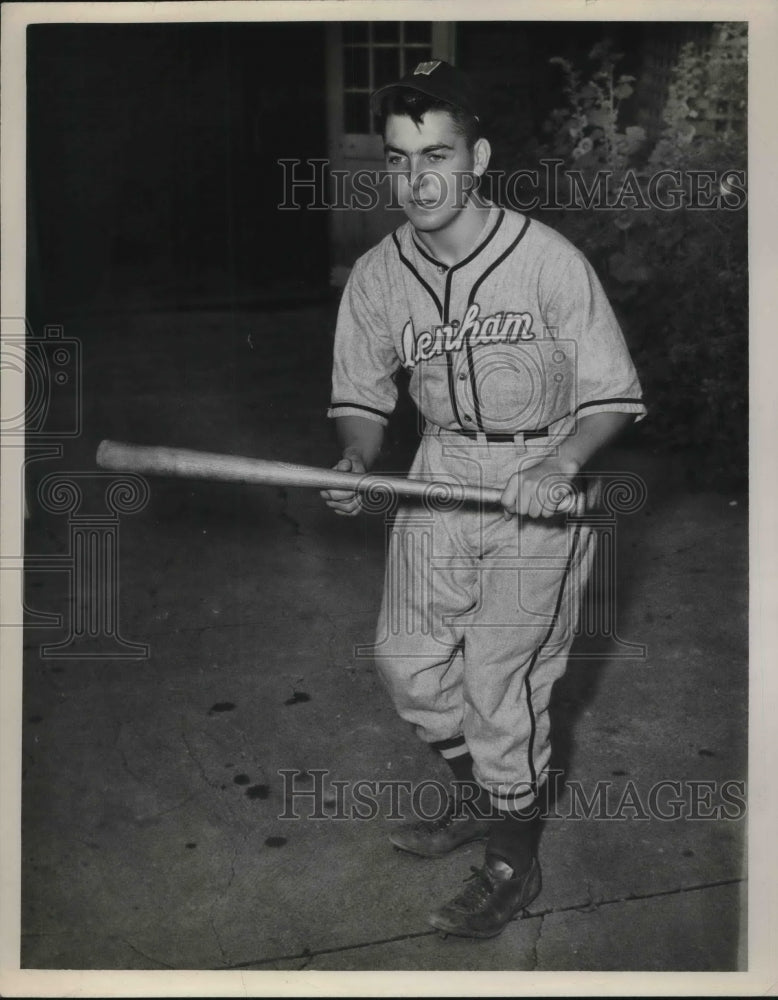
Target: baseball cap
437	79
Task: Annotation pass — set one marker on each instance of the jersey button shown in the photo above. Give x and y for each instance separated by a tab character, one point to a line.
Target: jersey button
462	377
441	269
468	418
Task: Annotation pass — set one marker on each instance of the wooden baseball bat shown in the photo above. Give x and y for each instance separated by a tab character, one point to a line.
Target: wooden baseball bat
188	464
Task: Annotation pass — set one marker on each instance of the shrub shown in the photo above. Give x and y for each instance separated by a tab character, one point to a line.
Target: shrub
677	276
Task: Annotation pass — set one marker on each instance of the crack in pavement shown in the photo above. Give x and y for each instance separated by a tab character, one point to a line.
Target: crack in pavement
216	933
167	809
223	803
127	768
307	954
198	764
154	961
234	858
591	905
535	943
219	899
121	727
223	894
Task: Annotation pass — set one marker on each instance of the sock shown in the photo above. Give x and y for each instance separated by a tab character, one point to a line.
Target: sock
513	838
475	796
461	766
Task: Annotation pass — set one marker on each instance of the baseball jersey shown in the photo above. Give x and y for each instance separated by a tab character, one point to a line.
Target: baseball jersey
517	336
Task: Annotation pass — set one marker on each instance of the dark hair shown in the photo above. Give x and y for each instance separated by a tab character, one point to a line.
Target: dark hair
414	104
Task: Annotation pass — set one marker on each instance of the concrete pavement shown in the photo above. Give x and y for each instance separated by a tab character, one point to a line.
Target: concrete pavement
157	830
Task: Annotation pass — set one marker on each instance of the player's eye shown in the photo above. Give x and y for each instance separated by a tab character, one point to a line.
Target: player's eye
394	159
435	157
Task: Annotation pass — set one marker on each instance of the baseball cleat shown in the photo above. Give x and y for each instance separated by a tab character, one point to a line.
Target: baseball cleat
491	898
434	838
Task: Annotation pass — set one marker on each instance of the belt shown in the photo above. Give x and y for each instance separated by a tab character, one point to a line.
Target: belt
489	436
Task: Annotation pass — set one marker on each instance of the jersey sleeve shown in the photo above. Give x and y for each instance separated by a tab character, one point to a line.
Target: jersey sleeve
606	379
365	360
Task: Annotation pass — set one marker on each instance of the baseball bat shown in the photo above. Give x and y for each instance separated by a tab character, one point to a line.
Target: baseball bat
188	464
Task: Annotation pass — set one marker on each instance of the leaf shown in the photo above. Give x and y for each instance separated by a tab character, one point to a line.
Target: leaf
623	91
598	116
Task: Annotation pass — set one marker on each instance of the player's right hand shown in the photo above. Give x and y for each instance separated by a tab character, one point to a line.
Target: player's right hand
345	502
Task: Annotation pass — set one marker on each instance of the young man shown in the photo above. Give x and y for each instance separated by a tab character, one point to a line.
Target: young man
521	373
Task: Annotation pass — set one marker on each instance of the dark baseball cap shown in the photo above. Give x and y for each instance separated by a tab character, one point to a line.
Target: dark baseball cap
437	79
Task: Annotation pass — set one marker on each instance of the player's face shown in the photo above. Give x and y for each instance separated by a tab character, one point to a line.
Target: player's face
432	169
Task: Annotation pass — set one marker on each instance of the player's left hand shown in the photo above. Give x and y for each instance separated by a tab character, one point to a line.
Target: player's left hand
543	490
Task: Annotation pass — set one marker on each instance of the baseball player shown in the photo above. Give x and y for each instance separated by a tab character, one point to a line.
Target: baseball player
521	374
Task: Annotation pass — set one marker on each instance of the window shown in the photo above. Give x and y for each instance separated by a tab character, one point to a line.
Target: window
376	53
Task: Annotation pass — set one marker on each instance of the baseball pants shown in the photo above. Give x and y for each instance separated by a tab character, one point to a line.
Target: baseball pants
477	619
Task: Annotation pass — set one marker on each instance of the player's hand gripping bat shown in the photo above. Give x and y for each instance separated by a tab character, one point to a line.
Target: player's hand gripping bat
187	464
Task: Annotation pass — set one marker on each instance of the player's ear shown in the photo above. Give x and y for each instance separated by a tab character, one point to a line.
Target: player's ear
482	152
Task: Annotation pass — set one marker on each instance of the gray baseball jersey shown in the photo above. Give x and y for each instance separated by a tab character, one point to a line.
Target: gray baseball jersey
518	336
506	348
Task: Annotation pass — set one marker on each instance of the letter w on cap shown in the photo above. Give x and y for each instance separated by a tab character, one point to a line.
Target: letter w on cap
426	68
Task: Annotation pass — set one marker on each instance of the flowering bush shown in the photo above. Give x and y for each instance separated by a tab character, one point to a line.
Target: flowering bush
667	231
588	129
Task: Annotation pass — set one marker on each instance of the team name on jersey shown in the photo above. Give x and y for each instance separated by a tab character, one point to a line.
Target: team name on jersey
499	328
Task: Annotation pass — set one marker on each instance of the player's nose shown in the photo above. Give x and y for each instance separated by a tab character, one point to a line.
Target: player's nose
426	186
403	190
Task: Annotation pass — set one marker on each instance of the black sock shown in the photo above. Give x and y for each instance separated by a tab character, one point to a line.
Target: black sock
472	795
513	838
461	766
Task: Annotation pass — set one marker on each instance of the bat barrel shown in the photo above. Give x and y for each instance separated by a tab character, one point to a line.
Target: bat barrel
188	464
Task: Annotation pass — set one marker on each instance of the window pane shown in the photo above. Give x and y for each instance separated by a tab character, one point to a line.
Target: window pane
386	66
418	31
356	71
354	31
386	31
356	113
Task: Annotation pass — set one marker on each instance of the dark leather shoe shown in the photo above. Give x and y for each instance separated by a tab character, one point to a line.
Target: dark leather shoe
491	898
433	838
